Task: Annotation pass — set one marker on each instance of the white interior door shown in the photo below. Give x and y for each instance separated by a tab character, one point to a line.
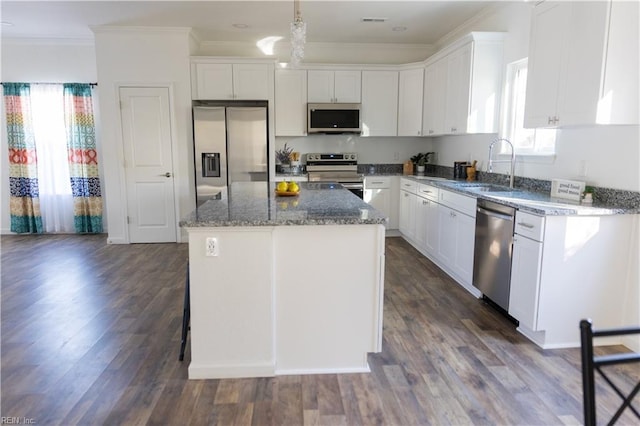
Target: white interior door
146	134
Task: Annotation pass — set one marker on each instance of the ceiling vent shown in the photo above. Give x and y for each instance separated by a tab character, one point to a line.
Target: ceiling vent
374	19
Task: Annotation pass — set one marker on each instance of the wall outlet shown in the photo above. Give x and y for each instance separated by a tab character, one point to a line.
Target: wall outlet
211	248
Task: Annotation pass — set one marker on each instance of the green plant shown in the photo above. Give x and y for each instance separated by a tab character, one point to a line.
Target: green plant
588	189
418	158
421	159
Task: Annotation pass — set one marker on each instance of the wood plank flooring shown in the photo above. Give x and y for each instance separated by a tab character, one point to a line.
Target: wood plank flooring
91	335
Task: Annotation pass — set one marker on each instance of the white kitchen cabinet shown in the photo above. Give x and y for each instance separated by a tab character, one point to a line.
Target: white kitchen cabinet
407	211
221	81
456	238
427	218
435	78
327	86
583	64
566	268
525	280
379	103
470	70
291	102
379	192
458	90
410	93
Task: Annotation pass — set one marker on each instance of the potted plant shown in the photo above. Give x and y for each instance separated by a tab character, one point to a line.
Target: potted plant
588	195
283	157
420	160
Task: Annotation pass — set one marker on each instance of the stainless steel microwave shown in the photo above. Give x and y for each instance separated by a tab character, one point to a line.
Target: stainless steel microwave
333	118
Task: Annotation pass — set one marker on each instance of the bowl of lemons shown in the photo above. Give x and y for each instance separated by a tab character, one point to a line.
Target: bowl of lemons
287	189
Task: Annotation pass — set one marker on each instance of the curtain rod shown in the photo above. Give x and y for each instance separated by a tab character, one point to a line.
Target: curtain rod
90	84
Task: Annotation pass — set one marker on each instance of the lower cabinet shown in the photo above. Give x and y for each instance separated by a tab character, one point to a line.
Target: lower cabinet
441	225
525	280
567	268
382	193
407	216
456	241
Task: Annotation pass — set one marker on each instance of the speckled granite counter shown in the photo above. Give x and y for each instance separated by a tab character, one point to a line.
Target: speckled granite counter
256	204
534	202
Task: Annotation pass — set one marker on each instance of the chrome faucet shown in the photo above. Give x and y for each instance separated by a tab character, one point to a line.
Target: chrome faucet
512	161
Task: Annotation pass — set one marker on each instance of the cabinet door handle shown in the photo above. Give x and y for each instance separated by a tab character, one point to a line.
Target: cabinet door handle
430	131
525	225
424	202
453	129
419	132
377	181
426	192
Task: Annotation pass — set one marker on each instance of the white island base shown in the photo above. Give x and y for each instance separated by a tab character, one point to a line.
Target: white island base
283	300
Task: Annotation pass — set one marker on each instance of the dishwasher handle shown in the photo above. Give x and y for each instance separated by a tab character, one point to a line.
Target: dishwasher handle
495	214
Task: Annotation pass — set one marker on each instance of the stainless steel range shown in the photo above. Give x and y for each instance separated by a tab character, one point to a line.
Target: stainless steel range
337	167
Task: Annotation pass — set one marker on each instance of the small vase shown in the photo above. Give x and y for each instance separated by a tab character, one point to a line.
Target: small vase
420	169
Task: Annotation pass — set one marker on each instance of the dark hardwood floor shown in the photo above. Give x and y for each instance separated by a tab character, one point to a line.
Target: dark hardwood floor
91	335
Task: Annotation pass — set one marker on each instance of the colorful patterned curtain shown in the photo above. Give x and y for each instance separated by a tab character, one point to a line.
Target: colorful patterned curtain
24	204
83	158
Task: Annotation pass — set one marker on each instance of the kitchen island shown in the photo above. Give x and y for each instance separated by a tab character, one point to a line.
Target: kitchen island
284	285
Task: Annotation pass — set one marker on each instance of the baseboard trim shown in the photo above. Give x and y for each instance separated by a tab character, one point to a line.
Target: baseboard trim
230	371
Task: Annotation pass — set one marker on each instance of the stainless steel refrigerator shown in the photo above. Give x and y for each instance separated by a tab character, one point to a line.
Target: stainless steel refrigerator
230	145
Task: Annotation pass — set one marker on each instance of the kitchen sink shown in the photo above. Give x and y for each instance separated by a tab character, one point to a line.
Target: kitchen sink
484	187
430	178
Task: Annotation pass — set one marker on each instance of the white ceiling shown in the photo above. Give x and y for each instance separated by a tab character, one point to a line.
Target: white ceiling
327	21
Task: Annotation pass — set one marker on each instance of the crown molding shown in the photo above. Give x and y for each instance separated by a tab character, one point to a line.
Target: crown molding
467	26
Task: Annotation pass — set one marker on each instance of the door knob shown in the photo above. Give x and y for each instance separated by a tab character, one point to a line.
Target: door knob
168	174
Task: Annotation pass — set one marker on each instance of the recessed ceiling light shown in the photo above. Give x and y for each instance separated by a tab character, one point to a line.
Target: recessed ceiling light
399	29
241	26
373	19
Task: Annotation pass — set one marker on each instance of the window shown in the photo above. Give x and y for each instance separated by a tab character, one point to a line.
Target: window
525	141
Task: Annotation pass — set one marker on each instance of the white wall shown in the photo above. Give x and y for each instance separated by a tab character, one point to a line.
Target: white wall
372	150
611	153
44	61
144	57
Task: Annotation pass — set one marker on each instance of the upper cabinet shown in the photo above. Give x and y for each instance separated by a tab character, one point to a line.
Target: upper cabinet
463	86
410	102
379	103
435	77
213	80
291	102
325	86
583	64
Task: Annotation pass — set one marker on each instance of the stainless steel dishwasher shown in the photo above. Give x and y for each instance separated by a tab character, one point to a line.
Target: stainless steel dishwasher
493	248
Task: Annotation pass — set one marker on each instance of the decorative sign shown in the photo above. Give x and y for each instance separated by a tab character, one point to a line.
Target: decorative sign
567	189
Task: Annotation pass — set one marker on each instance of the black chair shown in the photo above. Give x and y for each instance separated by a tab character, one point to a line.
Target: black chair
186	316
591	363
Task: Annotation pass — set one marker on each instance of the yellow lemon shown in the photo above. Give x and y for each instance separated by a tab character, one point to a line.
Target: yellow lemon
282	186
293	187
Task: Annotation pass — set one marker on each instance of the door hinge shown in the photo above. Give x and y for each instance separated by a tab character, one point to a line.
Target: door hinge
128	220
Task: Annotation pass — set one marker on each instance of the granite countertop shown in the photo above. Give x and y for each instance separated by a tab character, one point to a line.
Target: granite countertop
256	204
529	201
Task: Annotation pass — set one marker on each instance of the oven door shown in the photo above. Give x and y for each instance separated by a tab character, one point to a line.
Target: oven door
356	188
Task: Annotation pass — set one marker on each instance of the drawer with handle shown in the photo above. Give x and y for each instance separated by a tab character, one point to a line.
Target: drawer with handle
408	185
377	182
529	225
428	191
